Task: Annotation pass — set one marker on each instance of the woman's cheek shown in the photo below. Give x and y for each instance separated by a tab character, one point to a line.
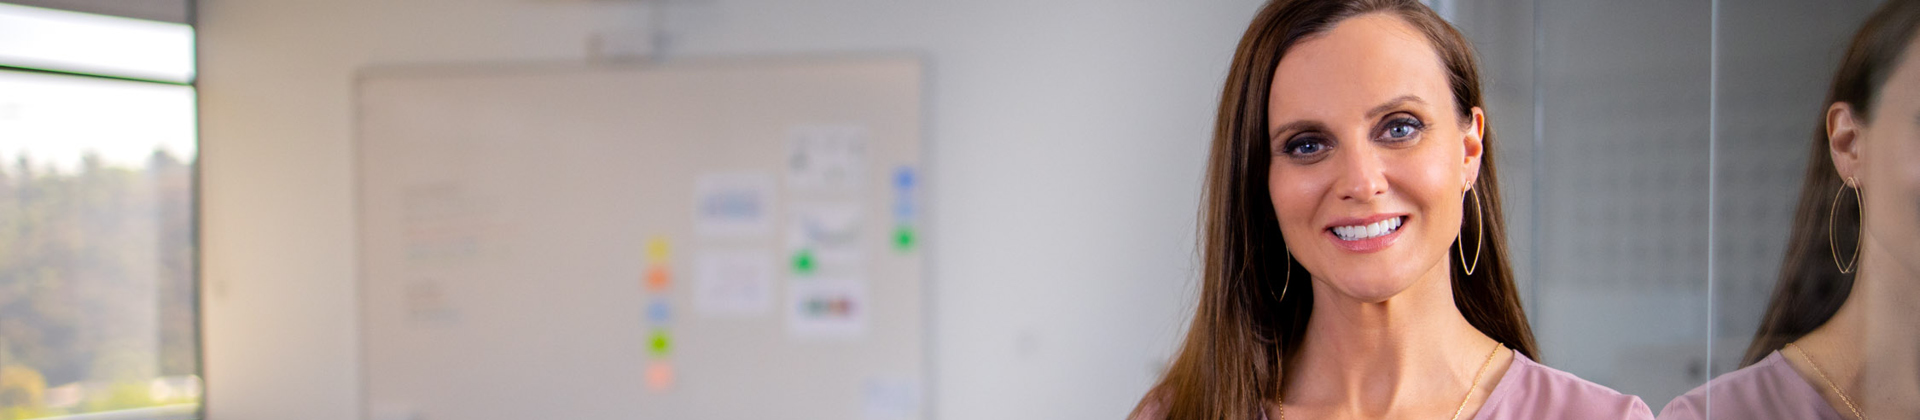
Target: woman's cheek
1294	201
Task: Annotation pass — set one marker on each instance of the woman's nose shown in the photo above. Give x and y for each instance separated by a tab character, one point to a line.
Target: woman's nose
1363	177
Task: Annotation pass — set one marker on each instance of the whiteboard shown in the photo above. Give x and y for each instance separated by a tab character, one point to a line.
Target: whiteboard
693	240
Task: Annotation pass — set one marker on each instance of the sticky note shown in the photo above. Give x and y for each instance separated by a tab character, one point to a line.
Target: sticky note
658	312
660	344
903	209
803	262
659	278
659	250
659	375
903	238
903	177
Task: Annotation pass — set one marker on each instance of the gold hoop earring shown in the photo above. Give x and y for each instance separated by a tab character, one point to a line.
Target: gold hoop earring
1479	228
1284	284
1859	205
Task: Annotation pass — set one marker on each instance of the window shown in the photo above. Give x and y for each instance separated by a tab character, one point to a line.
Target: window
98	285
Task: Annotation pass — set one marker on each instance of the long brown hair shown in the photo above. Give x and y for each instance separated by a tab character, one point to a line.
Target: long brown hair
1811	287
1243	327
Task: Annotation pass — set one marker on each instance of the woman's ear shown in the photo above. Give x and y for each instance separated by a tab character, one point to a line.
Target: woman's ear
1475	143
1844	139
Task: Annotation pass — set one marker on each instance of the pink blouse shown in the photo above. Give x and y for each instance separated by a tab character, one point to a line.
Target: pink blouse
1770	389
1531	391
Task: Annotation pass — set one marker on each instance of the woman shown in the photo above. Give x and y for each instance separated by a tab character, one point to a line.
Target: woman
1354	266
1841	339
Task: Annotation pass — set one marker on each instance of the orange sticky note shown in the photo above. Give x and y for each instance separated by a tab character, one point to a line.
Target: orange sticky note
659	278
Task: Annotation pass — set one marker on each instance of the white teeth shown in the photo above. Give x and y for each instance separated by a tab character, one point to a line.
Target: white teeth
1368	231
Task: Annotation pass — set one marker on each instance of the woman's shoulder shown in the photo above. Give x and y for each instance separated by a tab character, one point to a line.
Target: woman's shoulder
1530	390
1768	389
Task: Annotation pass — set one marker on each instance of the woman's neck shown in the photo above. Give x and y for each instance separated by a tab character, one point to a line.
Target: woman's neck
1405	357
1870	349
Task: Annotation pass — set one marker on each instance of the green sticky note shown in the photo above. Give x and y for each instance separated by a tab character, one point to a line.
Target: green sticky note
803	262
661	344
903	238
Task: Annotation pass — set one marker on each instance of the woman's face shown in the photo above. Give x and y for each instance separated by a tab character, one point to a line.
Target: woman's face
1889	164
1370	157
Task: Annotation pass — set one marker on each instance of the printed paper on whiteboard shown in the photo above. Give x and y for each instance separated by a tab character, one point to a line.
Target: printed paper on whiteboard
827	158
736	283
827	308
831	232
733	204
891	398
429	306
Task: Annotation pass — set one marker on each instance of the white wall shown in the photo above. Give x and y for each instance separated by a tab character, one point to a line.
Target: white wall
1067	140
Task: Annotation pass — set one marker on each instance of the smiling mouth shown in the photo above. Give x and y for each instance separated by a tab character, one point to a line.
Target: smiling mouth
1368	231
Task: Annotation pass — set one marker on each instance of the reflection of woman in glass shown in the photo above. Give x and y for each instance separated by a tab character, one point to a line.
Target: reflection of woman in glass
1841	339
1354	262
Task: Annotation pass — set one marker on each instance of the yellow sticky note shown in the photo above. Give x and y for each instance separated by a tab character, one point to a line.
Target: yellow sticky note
659	250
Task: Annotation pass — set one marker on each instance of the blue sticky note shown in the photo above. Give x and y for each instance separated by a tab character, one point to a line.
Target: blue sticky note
903	177
657	311
903	210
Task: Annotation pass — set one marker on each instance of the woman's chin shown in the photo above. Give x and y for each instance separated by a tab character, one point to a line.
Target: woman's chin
1364	288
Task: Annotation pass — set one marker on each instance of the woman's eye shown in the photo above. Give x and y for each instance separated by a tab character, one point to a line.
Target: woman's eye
1304	147
1402	129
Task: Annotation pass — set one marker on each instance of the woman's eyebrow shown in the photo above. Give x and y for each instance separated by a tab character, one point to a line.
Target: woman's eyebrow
1384	108
1394	103
1301	125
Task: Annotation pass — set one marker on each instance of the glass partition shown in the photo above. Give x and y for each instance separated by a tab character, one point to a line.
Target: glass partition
1652	154
1602	111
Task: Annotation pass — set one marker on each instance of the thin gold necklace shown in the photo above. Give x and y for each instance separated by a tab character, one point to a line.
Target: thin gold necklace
1823	378
1463	401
